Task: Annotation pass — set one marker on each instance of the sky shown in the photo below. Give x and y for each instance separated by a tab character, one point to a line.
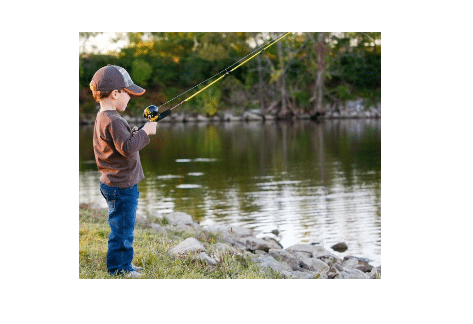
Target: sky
102	43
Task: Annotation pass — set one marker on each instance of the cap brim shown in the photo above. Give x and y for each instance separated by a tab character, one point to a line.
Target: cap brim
135	90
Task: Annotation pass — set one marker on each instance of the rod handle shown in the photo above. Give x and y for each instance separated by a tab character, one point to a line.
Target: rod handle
159	117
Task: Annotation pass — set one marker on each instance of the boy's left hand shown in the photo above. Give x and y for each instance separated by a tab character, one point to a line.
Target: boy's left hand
134	130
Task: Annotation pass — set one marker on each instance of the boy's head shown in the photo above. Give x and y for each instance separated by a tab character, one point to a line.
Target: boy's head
112	77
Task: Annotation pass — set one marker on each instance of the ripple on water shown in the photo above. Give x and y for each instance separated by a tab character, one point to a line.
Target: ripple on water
188	186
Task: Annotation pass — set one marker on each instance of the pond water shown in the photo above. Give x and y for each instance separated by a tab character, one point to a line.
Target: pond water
311	182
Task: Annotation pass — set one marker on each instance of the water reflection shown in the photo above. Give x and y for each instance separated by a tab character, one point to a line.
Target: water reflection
311	182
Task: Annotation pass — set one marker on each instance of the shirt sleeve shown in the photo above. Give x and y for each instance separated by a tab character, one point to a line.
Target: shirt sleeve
125	142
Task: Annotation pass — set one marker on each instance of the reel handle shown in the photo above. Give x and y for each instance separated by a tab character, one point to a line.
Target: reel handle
152	114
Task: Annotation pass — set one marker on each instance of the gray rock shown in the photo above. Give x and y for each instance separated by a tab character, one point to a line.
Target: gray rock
375	273
235	232
250	116
188	245
214	118
290	258
356	263
340	247
267	261
178	218
157	227
204	257
314	251
230	117
272	243
350	273
312	264
221	233
201	118
238	231
253	243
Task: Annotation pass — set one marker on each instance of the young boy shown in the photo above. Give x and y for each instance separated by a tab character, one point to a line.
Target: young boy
116	148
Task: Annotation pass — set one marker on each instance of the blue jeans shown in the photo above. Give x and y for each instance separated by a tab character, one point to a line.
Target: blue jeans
122	204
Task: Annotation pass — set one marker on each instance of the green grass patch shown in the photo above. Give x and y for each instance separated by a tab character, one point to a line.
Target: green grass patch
151	247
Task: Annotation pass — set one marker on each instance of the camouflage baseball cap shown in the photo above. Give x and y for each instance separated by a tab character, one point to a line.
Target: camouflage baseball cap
113	77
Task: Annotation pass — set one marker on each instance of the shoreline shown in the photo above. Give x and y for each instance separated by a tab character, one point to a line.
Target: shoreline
177	247
353	112
299	261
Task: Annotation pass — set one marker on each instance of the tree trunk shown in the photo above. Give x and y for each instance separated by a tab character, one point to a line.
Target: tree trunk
319	80
284	111
260	85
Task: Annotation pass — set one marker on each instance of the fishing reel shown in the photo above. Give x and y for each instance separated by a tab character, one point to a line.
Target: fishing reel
152	113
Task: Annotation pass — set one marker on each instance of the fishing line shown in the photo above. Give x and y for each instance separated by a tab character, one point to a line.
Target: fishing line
152	112
256	50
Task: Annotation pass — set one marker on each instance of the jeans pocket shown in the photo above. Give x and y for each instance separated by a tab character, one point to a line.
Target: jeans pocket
110	198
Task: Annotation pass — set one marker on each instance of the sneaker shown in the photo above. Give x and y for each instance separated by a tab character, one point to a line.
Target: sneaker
133	274
136	268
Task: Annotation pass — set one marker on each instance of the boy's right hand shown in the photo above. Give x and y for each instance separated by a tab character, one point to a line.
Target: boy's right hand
150	128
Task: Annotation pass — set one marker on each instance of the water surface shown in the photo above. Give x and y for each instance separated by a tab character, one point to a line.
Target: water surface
310	182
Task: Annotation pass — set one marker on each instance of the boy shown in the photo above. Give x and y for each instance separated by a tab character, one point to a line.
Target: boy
116	149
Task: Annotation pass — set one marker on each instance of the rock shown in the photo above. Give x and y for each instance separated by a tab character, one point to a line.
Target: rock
314	251
350	273
275	232
204	257
188	245
201	118
229	234
239	232
291	259
189	119
340	247
333	273
375	273
253	243
304	116
178	218
272	243
250	116
230	117
260	252
356	263
267	261
312	264
157	227
214	118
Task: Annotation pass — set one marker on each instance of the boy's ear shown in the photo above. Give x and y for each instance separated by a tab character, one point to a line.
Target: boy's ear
114	94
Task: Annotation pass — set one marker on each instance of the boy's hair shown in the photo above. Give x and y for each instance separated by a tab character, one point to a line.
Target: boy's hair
99	95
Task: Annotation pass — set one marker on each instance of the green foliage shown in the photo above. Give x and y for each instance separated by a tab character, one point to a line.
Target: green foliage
141	72
210	100
168	64
343	92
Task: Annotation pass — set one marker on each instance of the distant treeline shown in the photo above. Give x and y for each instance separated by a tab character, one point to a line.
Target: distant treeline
303	73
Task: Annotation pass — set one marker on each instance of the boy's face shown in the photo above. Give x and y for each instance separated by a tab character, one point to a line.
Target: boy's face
122	100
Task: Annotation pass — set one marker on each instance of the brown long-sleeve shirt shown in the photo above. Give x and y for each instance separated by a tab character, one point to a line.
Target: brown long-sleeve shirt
117	150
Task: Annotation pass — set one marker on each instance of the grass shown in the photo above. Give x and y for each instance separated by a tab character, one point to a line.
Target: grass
151	247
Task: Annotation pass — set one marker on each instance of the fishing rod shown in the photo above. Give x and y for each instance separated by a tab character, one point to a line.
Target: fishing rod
152	112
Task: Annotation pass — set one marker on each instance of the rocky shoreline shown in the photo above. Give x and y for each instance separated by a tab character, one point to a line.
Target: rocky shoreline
301	261
352	110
